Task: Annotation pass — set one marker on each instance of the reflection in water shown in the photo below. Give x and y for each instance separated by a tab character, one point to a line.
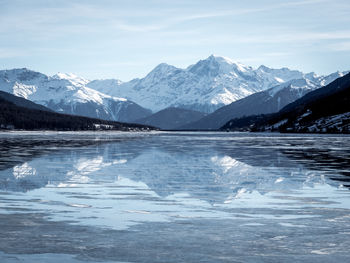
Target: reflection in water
23	171
129	182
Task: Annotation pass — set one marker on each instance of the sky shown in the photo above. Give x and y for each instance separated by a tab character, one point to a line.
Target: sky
127	39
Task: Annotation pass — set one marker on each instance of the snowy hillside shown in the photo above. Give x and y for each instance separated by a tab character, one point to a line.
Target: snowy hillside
205	86
67	93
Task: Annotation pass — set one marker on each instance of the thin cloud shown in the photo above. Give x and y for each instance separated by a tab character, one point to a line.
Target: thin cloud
169	20
294	38
55	17
342	46
12	53
244	11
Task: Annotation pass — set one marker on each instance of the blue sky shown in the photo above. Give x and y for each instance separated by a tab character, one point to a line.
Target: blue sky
127	39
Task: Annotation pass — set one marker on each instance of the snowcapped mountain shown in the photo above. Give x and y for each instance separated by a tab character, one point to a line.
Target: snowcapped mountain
205	86
67	93
307	82
264	102
322	110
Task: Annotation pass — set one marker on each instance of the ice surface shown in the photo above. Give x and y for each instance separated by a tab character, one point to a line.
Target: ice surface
174	197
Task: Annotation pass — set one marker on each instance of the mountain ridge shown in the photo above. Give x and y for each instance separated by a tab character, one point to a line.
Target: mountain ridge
263	102
204	86
326	109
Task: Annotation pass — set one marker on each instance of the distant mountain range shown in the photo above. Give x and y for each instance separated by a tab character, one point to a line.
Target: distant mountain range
323	110
205	86
202	96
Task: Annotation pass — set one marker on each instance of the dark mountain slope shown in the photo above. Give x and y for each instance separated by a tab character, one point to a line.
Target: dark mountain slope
324	110
21	102
171	118
264	102
16	117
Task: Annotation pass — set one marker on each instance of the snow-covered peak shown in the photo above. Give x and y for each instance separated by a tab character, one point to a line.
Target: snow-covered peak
21	75
225	61
272	77
309	81
217	65
161	71
328	79
72	78
281	74
311	76
221	59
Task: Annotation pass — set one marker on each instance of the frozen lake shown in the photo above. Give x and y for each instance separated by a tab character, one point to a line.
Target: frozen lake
174	197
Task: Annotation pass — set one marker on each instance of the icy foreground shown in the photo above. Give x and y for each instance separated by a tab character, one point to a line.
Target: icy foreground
174	197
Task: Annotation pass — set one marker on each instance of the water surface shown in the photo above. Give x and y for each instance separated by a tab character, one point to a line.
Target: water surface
174	197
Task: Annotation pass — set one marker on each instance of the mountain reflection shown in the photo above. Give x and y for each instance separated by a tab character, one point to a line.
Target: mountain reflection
214	168
31	162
